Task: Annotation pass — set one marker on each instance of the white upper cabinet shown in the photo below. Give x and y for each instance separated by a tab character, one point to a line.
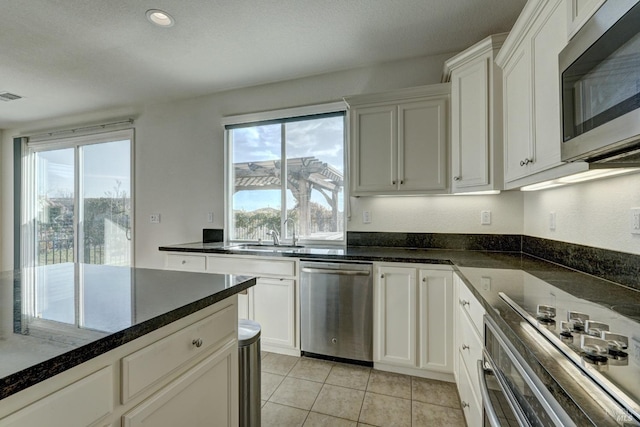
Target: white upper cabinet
578	12
399	141
531	94
476	117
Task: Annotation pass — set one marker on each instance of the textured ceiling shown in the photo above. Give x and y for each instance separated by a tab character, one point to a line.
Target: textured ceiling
72	56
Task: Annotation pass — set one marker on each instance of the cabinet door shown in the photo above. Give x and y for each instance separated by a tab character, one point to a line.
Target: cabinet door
395	316
578	12
374	148
272	304
422	145
517	114
470	134
435	320
206	395
546	43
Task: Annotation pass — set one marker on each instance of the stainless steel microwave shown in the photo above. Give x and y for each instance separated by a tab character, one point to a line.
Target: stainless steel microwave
600	86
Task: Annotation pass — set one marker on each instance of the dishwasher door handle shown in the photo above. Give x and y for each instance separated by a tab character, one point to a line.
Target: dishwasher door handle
337	272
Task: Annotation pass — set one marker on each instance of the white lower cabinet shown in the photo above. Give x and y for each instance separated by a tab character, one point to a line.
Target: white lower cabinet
197	398
272	304
468	347
413	320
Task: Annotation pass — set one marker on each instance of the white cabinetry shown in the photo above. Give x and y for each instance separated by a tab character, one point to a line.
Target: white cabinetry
468	348
202	394
413	320
271	302
476	117
531	94
399	141
185	373
578	12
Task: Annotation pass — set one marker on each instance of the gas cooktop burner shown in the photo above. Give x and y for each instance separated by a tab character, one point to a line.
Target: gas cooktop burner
595	360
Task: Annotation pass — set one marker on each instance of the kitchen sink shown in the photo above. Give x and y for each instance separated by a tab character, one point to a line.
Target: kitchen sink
265	248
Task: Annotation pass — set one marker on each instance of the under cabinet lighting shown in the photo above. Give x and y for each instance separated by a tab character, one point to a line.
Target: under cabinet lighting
580	177
160	18
477	193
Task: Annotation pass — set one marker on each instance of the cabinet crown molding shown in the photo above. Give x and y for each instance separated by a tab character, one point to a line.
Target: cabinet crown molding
484	46
438	89
520	29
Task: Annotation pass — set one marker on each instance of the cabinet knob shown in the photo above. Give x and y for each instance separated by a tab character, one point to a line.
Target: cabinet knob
393	182
465	347
424	279
463	302
401	181
382	276
197	342
184	261
456	178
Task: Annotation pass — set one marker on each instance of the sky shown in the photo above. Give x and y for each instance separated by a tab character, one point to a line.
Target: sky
322	138
105	165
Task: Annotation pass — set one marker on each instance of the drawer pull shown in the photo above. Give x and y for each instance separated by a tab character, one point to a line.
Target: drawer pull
465	404
465	347
463	302
197	342
184	261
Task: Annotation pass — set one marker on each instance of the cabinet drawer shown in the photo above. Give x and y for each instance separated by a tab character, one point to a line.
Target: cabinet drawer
145	367
470	350
186	262
251	266
472	307
79	404
471	405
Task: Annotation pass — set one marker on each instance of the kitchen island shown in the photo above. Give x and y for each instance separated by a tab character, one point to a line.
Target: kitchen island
82	344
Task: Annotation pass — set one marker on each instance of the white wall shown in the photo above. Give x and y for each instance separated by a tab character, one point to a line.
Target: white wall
440	214
593	214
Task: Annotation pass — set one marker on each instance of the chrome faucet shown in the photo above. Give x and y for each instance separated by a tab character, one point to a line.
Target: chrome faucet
294	239
275	235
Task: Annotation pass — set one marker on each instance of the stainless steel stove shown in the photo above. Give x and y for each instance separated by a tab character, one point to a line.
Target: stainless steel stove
600	341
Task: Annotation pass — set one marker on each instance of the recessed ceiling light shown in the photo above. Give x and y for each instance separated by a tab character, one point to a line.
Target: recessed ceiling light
160	18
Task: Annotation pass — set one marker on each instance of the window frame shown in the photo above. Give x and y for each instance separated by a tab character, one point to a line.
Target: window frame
230	122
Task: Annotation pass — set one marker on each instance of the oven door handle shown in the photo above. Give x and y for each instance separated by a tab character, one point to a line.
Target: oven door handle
486	400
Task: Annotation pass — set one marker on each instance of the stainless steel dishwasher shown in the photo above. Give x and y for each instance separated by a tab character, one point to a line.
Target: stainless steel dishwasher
336	310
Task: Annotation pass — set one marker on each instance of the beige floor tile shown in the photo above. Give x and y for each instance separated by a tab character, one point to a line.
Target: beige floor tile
279	364
297	393
381	410
426	414
311	369
350	376
282	416
390	384
269	383
436	392
339	401
321	420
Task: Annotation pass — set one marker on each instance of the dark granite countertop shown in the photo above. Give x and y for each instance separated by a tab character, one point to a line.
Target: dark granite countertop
513	273
80	311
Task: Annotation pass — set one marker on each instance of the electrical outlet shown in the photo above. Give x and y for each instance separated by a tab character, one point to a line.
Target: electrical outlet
366	217
485	218
210	217
552	221
485	282
635	221
154	218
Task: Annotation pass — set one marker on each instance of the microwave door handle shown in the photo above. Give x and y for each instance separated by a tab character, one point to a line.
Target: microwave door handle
486	400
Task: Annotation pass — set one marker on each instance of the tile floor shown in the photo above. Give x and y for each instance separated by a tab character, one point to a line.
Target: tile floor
310	392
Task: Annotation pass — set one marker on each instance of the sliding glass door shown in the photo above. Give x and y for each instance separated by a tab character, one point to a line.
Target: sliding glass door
82	202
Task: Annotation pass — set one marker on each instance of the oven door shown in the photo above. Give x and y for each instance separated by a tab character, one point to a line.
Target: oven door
511	393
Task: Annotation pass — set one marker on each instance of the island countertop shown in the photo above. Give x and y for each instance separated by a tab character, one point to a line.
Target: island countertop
74	312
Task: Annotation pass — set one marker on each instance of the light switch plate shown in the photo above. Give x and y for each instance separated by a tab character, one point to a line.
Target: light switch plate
485	218
154	218
552	221
366	217
635	221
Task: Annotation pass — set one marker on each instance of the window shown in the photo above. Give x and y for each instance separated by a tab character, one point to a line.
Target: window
309	151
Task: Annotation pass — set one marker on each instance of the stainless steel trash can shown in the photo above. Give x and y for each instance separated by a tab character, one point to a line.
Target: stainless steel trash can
249	368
